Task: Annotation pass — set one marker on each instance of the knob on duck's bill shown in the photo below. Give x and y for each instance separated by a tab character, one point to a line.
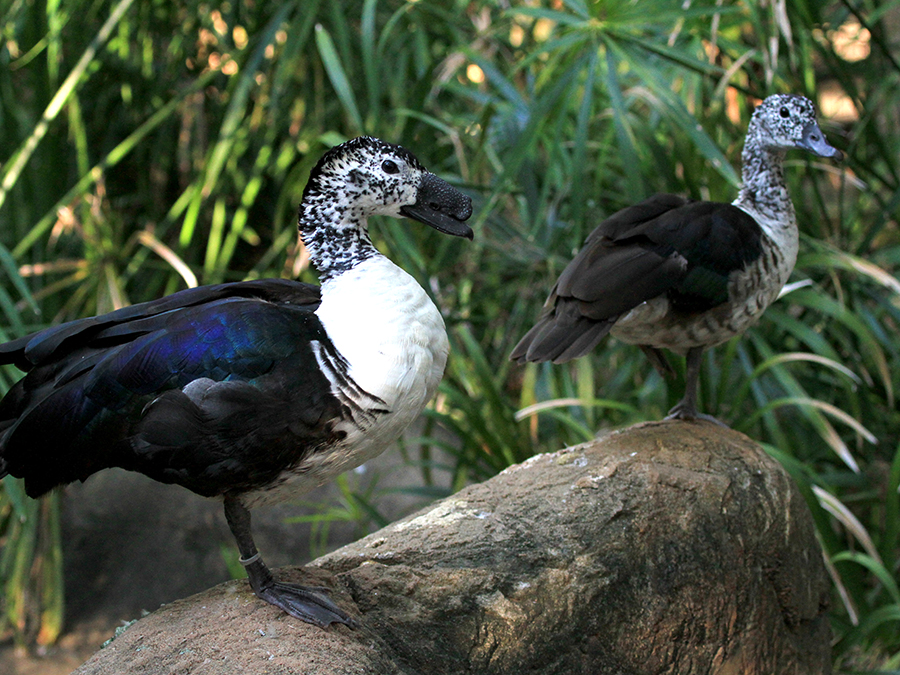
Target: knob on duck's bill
441	206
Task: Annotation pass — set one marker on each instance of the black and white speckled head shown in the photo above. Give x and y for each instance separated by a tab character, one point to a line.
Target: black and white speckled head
786	121
780	123
365	177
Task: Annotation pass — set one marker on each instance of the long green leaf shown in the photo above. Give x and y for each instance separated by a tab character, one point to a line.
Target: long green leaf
338	77
13	169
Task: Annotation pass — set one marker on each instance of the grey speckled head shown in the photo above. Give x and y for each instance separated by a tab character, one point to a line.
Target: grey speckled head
365	177
780	123
786	121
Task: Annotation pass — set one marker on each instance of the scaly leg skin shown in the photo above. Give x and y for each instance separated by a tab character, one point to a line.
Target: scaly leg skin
303	602
686	408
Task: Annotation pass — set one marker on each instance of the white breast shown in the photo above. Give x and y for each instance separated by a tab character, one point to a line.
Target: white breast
387	328
393	338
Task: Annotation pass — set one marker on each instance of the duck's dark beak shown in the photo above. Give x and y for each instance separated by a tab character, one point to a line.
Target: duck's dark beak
814	141
441	206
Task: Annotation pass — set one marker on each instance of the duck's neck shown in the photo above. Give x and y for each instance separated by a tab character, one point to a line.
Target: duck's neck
763	193
336	236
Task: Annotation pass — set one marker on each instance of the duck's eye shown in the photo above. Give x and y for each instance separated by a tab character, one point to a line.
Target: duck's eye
784	112
390	166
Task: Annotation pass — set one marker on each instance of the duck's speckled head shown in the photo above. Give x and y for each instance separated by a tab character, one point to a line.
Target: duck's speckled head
366	176
786	121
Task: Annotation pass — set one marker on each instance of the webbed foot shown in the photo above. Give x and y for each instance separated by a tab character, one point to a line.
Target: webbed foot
306	603
686	412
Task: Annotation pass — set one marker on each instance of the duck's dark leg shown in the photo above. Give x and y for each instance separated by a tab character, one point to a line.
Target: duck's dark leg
659	360
686	408
302	602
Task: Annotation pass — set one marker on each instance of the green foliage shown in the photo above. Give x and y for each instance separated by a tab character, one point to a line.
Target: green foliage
173	151
30	565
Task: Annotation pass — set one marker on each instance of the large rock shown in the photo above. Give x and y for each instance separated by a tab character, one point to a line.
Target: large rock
673	547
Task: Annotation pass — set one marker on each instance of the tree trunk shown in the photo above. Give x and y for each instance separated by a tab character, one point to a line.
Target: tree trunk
671	547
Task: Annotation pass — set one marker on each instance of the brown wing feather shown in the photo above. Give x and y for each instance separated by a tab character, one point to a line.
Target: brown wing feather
617	269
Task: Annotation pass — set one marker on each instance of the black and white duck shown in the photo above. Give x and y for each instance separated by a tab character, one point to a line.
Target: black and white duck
252	392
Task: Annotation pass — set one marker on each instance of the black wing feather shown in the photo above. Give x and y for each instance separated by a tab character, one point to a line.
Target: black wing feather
665	245
33	349
107	391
